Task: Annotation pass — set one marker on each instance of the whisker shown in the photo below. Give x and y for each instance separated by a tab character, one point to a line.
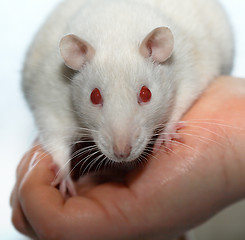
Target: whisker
202	138
100	164
89	163
94	162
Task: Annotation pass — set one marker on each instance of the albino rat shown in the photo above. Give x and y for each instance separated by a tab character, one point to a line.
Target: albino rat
139	65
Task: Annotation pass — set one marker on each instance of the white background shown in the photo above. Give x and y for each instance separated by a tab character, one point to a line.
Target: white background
19	20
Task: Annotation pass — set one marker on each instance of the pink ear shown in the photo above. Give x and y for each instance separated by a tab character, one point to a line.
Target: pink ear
75	51
158	44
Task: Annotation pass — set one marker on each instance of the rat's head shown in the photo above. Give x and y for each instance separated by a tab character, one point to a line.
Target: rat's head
121	96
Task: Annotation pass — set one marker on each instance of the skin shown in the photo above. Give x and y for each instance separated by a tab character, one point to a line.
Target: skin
174	192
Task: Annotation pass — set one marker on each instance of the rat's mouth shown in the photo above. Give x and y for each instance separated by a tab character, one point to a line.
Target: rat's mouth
87	159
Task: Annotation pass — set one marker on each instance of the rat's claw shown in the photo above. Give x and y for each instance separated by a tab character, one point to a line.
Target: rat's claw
167	136
67	187
158	143
64	181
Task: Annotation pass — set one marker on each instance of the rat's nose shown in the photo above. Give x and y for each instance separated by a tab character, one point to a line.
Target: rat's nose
122	151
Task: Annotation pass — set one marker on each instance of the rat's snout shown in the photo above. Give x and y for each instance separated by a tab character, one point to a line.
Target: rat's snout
122	145
123	133
122	150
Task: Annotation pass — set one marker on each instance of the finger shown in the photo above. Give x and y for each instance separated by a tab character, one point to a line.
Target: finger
20	222
20	172
39	200
18	218
27	158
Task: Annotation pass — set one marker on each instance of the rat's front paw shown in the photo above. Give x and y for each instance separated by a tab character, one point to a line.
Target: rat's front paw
64	181
167	137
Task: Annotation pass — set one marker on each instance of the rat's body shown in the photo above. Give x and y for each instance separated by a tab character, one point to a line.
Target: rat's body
110	49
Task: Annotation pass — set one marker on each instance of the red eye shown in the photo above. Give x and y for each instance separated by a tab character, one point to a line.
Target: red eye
96	97
145	95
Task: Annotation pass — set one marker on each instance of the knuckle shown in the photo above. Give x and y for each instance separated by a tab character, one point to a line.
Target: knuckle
18	222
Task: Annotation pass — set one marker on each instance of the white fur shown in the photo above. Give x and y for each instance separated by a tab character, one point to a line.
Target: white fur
115	29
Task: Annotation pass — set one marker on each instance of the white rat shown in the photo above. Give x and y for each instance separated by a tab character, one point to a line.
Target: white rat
138	63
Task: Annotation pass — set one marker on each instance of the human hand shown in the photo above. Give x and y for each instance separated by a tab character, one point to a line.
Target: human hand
172	193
